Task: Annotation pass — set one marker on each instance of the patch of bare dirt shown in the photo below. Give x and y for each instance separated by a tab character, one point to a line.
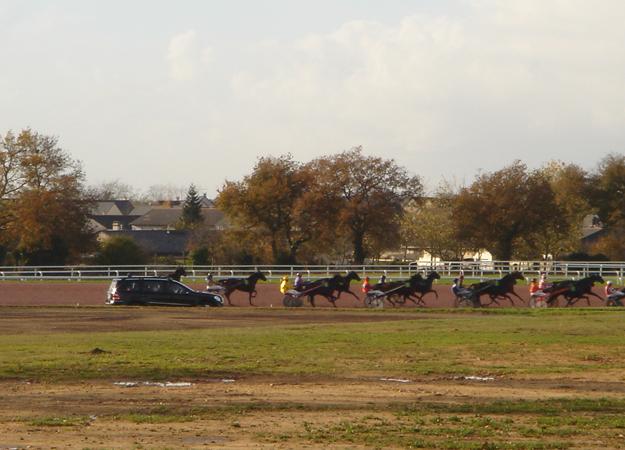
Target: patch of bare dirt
236	414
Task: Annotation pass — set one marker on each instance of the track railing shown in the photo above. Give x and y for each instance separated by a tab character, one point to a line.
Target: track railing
447	269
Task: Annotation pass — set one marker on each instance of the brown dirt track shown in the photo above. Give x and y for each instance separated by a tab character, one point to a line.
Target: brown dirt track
91	294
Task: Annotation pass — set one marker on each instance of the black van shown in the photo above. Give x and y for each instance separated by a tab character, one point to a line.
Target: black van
159	292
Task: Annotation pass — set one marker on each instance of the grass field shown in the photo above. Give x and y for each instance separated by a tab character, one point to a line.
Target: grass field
505	378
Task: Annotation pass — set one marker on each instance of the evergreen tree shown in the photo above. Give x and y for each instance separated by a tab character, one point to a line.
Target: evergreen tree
192	209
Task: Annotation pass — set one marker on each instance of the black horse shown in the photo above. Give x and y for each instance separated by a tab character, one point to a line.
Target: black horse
573	291
241	284
327	287
344	284
398	291
500	288
177	274
424	286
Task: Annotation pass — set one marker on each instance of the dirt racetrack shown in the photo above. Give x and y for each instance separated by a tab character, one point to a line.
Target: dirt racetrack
94	293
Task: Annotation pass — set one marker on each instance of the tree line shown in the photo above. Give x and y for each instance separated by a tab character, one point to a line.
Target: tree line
351	207
344	207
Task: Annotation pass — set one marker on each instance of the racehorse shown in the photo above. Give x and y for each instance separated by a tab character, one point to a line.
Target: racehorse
326	287
573	291
499	288
343	284
177	274
241	284
399	290
424	286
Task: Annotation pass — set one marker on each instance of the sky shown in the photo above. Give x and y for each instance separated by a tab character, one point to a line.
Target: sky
163	92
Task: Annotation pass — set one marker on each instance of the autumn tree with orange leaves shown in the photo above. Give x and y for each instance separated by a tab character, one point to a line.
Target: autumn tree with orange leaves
43	205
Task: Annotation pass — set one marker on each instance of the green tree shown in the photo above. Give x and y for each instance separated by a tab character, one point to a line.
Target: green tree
501	207
362	197
191	209
120	250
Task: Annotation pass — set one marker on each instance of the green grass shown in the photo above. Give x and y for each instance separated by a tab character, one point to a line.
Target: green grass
515	424
496	341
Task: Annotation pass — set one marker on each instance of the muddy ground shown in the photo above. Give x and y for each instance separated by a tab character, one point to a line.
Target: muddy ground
289	408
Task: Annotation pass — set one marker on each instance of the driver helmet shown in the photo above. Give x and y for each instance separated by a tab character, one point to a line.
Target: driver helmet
609	283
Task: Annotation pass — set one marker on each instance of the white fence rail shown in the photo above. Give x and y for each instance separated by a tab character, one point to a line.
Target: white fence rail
471	270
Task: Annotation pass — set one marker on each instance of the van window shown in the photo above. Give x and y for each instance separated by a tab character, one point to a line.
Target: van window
175	288
129	286
154	286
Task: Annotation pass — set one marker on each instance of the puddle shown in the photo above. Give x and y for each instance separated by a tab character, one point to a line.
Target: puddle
167	384
476	378
395	380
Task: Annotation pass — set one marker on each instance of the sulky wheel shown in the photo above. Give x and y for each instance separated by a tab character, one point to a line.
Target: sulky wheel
291	301
374	301
463	302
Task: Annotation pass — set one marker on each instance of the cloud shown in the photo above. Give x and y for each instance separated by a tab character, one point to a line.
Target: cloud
186	56
508	79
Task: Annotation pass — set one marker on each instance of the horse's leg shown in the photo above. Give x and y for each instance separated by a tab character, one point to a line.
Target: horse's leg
518	296
252	295
493	299
420	300
227	294
311	299
350	292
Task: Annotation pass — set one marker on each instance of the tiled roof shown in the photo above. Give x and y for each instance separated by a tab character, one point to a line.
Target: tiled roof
159	217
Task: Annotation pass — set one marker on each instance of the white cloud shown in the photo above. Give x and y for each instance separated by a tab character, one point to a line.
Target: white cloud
186	56
528	79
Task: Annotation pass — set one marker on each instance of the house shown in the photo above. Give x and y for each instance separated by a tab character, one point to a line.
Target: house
116	214
151	226
161	218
